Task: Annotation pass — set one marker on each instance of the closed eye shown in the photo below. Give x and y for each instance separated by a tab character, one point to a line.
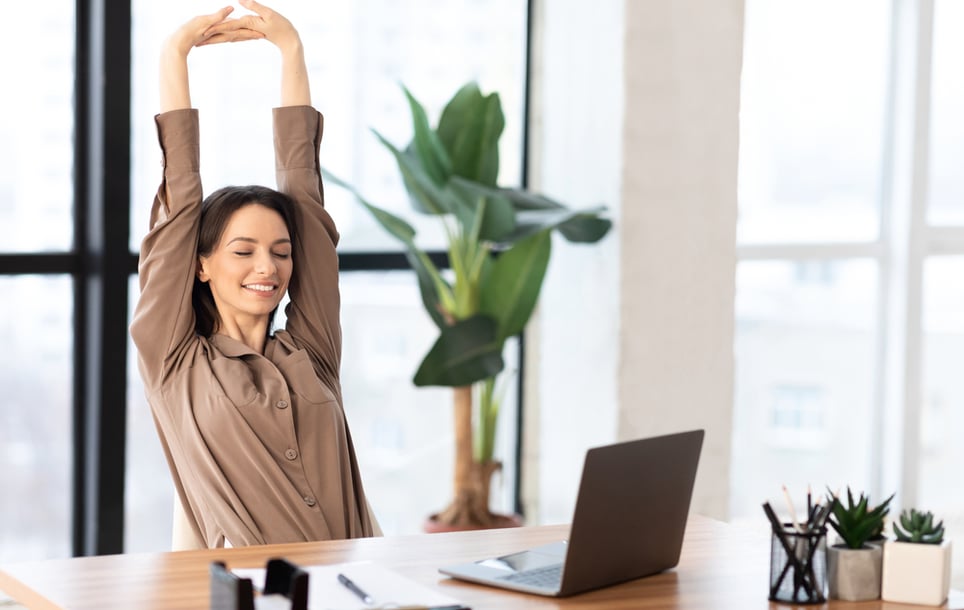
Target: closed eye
241	253
283	255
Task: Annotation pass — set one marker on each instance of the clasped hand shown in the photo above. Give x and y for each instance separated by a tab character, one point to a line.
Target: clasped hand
216	28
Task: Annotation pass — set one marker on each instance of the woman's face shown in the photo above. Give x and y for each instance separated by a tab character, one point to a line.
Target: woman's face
249	269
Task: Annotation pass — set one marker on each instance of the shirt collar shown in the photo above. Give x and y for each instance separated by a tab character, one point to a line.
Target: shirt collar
232	347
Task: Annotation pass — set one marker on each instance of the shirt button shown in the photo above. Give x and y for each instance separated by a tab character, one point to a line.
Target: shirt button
281	404
309	501
291	454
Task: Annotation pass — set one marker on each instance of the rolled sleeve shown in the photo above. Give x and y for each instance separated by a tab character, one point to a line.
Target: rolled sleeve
178	133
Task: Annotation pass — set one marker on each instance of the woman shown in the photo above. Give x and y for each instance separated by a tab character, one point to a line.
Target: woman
251	423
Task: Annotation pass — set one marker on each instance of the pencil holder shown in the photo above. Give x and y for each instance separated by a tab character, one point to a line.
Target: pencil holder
798	565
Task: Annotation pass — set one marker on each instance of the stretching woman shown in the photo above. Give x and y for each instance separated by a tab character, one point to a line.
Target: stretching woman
251	421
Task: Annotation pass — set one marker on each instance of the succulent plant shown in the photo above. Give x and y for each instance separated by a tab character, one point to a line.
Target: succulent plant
857	522
918	526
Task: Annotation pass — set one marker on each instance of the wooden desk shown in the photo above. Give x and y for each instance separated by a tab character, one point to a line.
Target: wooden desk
722	567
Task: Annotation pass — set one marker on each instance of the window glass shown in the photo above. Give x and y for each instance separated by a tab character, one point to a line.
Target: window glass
358	54
811	120
36	127
148	487
946	188
941	413
805	345
35	417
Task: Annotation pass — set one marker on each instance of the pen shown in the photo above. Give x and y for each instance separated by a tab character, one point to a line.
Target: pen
351	586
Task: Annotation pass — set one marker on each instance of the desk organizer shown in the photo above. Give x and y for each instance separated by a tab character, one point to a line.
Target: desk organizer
798	565
230	592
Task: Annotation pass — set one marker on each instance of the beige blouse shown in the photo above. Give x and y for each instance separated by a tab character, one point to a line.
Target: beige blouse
257	444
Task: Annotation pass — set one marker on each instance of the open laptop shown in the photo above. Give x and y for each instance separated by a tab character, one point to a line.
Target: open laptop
629	520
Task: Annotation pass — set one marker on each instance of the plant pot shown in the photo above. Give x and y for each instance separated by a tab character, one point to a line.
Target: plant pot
854	574
433	526
916	573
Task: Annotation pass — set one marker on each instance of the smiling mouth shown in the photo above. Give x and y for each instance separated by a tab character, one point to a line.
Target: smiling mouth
261	288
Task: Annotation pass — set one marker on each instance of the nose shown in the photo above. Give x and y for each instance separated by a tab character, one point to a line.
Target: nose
265	265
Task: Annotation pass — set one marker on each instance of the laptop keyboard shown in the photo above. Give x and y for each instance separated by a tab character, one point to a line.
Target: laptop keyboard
547	577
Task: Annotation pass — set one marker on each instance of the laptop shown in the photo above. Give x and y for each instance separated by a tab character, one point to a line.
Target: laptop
630	516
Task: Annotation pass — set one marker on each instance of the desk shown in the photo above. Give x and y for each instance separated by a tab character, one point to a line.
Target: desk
722	567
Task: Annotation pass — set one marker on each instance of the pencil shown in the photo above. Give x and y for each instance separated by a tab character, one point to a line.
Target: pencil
793	513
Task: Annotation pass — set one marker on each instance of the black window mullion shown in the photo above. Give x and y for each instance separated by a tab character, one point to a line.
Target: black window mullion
385	261
78	437
102	215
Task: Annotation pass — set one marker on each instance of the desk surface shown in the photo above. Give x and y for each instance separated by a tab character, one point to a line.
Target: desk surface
722	567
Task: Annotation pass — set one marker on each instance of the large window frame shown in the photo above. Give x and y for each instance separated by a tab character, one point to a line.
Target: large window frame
900	252
101	263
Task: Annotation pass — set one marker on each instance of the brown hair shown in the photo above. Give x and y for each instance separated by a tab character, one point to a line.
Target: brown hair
216	212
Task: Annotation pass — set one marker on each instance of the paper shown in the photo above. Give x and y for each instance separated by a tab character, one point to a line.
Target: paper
389	588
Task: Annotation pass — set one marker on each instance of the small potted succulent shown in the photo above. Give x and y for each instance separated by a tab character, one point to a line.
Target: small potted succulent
917	565
853	565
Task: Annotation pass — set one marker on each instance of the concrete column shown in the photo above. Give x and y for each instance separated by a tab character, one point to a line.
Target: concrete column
636	105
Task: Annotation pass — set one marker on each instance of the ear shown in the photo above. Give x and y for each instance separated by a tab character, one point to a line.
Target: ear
202	273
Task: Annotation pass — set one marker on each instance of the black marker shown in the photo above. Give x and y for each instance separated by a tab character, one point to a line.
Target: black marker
351	586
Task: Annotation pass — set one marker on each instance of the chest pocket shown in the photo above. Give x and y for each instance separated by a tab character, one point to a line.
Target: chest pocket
236	379
301	378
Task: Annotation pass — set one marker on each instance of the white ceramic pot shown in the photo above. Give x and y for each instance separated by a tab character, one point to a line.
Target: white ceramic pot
854	574
916	573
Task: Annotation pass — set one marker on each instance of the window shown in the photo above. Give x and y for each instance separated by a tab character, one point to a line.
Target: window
797	412
36	232
35	184
849	162
35	417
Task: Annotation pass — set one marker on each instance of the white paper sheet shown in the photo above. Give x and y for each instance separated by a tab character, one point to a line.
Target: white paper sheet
388	588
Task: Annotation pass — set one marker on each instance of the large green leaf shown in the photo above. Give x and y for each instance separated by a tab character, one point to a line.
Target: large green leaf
575	225
429	281
464	353
427	145
535	212
585	228
527	200
427	197
469	128
497	217
511	285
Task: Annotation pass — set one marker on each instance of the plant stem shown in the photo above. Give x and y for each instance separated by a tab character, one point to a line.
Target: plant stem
487	417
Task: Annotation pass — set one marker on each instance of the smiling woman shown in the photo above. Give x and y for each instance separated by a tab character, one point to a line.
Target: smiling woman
251	422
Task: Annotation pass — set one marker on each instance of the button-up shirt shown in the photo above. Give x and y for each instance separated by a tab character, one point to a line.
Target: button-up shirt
257	443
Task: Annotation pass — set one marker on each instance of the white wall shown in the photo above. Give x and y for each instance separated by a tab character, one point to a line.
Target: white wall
635	105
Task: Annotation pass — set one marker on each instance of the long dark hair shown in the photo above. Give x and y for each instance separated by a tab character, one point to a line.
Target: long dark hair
216	212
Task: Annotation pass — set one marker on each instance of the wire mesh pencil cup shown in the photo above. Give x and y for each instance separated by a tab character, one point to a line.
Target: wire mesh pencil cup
798	565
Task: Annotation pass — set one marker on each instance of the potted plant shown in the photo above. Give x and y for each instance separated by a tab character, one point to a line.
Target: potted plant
917	565
499	243
853	566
